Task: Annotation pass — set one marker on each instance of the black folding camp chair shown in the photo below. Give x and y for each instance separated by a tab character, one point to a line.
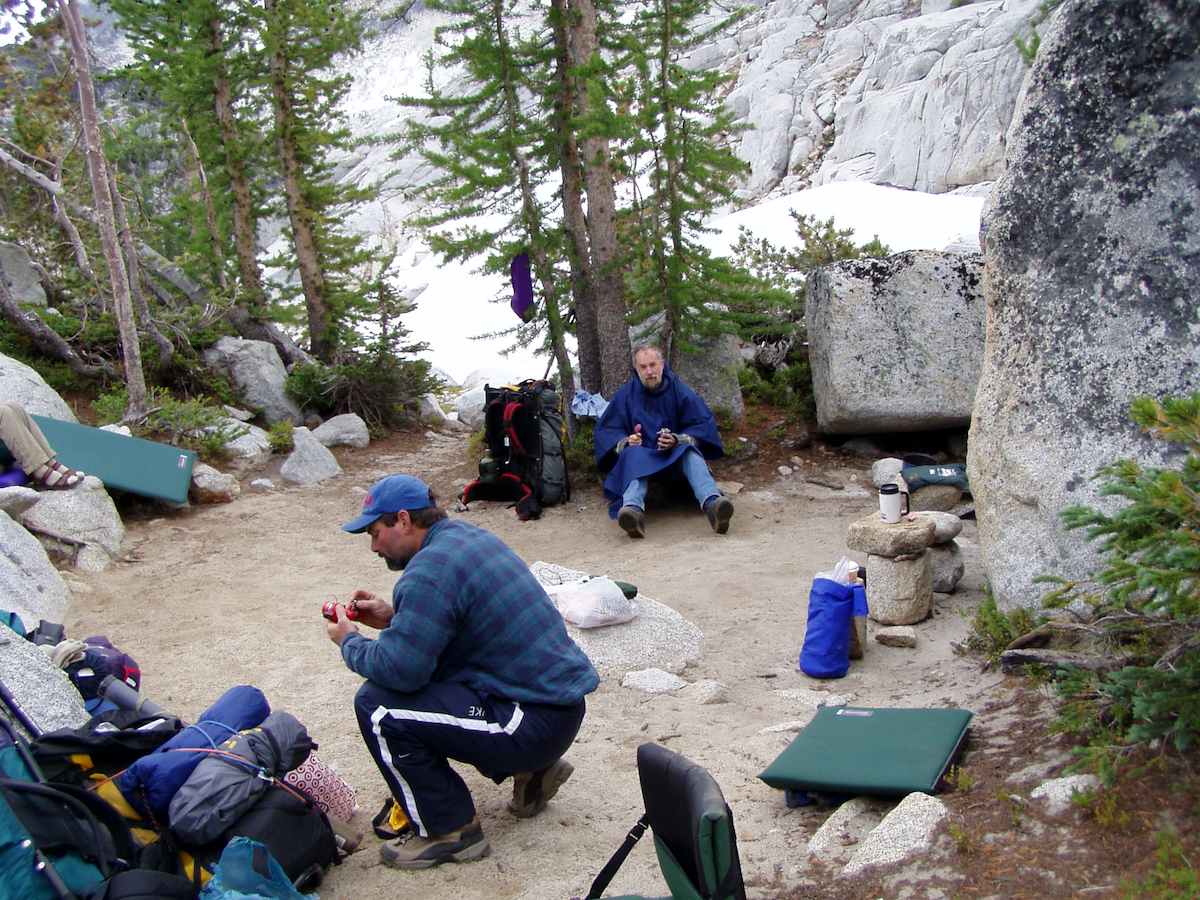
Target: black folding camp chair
692	827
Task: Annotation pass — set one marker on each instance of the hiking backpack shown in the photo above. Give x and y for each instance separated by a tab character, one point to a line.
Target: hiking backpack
61	841
525	436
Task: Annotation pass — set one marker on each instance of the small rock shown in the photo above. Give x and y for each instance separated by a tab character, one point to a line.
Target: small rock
212	486
886	471
706	693
1057	792
874	536
946	525
653	681
897	636
785	470
935	497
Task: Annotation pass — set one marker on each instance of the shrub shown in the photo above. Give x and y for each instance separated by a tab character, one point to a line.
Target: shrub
191	424
580	450
377	386
992	631
1173	876
280	437
780	317
1146	595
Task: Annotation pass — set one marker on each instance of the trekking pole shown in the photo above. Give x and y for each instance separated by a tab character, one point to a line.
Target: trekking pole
18	713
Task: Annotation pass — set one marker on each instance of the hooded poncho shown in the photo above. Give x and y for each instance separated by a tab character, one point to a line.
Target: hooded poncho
674	406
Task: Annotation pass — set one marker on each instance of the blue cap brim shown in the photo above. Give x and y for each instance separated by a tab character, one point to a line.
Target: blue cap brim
359	524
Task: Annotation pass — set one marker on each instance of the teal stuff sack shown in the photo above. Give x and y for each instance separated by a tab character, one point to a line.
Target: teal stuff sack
826	649
247	869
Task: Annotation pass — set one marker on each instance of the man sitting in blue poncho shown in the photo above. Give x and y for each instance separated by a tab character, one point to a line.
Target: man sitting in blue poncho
657	427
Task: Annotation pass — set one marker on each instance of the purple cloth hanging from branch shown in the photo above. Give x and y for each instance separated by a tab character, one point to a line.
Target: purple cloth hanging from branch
522	282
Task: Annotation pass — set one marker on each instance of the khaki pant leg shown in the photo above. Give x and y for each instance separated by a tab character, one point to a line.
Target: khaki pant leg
23	438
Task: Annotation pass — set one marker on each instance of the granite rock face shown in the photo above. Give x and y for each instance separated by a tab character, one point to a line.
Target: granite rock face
1091	243
895	344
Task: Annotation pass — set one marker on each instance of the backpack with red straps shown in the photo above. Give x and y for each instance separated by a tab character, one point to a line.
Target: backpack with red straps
524	433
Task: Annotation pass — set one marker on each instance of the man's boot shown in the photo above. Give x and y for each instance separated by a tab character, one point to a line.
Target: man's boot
412	851
719	511
533	790
633	520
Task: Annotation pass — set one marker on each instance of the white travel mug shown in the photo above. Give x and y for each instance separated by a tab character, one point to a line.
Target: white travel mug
890	503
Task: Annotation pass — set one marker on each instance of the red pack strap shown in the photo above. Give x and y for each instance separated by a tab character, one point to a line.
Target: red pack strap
510	414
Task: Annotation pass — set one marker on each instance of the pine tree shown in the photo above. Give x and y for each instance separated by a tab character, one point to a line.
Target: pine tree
680	157
200	62
491	143
102	192
587	128
302	42
1146	595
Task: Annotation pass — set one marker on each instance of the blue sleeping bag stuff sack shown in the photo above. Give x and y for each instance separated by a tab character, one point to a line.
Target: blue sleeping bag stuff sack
831	610
150	783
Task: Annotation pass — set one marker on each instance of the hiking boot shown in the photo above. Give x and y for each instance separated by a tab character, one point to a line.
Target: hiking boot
533	790
633	520
719	511
412	851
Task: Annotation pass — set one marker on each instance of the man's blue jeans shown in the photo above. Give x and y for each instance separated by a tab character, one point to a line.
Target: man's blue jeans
691	466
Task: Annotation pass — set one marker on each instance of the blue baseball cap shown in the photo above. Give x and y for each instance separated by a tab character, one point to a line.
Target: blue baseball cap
390	495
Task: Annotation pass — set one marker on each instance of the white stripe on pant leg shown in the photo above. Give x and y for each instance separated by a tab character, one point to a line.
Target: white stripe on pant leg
432	718
410	802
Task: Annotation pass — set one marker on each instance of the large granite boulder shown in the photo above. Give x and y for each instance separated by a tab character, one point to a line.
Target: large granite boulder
41	689
310	461
30	585
711	369
21	383
347	430
23	279
895	344
470	407
82	524
1092	250
259	373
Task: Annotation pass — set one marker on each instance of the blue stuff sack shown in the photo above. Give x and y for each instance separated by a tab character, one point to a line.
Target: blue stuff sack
831	608
860	600
247	871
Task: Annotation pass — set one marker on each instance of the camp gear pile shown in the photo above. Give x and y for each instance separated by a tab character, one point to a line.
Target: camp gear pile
525	437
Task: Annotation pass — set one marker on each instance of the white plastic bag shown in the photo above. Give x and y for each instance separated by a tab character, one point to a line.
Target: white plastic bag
593	601
845	572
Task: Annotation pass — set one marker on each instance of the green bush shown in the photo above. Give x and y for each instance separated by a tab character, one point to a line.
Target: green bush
191	423
992	631
281	437
789	387
377	386
1146	595
580	451
1173	877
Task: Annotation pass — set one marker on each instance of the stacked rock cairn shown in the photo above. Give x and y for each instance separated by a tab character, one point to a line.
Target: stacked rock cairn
908	561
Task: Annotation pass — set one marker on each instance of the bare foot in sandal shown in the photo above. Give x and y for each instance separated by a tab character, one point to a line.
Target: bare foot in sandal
55	475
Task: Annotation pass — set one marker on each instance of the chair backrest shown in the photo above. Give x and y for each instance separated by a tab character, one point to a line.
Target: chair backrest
692	827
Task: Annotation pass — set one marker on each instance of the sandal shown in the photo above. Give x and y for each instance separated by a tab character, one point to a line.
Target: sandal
55	475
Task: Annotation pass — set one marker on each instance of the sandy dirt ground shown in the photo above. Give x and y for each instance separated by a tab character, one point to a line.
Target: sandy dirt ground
230	594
